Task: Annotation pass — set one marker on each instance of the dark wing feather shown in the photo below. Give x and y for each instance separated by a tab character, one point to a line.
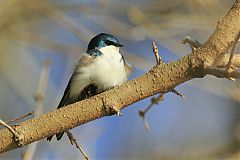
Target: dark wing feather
66	100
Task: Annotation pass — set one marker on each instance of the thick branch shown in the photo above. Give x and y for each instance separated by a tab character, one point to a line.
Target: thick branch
160	79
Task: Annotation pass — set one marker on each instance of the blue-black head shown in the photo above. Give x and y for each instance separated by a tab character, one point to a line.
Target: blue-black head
103	40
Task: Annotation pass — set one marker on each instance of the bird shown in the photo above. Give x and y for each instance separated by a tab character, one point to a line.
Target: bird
100	68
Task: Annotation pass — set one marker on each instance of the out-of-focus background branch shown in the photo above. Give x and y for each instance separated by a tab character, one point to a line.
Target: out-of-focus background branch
203	125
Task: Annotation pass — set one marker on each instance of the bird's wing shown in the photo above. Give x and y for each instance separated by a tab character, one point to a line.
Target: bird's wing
79	80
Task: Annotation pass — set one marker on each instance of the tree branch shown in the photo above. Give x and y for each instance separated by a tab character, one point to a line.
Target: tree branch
232	53
235	61
160	79
222	73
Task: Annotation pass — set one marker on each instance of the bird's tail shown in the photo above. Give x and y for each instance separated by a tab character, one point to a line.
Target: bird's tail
59	136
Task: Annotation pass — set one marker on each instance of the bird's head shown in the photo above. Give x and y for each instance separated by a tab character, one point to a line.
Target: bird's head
103	40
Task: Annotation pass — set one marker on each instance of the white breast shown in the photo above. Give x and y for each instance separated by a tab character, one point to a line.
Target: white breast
106	72
108	69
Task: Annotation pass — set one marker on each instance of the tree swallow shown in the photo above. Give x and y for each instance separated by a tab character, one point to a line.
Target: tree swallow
100	68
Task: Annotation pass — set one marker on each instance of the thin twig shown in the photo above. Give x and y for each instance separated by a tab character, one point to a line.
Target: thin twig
16	136
193	44
39	100
11	129
157	57
142	113
222	73
17	119
74	141
177	93
224	61
232	53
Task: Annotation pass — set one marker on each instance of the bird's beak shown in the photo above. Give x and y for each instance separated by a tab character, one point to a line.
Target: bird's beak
119	45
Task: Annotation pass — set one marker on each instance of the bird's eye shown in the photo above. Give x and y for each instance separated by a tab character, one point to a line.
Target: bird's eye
109	43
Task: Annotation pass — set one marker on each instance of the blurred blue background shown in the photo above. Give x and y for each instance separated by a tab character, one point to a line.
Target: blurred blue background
204	125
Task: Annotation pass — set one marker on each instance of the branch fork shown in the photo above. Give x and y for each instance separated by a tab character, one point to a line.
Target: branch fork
230	72
17	137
